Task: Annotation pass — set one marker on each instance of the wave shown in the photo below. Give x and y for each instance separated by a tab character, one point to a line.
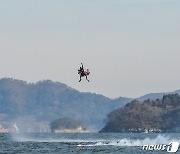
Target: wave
160	139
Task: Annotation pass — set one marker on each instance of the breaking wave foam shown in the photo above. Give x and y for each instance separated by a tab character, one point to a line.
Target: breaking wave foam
160	139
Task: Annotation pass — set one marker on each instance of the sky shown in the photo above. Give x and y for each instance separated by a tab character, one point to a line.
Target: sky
130	46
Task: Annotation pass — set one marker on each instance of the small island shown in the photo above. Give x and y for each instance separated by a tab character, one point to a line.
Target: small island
67	125
147	116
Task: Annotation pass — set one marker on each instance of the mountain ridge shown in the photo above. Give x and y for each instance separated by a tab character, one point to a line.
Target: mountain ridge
46	100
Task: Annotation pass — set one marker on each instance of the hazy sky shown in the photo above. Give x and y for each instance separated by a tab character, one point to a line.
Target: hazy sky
132	47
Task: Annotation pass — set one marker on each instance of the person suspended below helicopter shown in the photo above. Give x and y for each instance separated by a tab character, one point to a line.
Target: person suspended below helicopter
83	73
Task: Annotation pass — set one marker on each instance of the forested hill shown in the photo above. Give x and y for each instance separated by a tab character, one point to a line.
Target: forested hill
154	96
47	100
147	116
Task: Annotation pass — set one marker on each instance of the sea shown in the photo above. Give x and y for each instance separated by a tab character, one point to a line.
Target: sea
85	143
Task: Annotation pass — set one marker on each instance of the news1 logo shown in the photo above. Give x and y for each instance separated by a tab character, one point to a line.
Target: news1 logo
171	147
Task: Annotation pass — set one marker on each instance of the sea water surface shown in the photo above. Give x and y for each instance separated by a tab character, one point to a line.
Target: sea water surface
83	143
